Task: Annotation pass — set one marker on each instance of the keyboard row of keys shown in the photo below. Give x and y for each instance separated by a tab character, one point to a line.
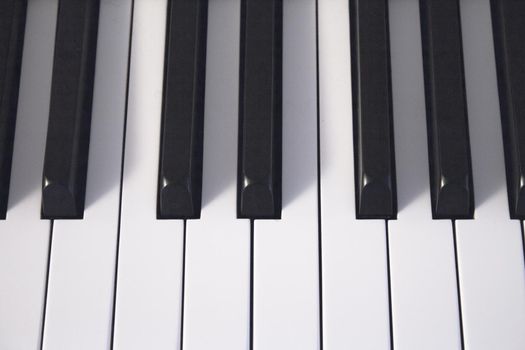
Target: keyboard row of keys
260	95
211	256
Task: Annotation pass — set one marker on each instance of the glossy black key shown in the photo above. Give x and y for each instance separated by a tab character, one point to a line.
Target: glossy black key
260	110
372	110
180	175
67	144
12	26
446	107
508	21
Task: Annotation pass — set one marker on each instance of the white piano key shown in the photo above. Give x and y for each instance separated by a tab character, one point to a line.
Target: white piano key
286	264
217	279
24	238
81	276
149	275
425	308
490	250
355	276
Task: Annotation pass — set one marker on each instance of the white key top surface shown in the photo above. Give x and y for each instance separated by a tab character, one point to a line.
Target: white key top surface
217	279
24	238
149	277
81	277
423	276
286	264
355	275
490	250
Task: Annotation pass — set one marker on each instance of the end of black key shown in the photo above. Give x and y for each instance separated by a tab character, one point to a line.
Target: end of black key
259	201
376	198
519	210
452	199
178	201
260	110
67	143
61	202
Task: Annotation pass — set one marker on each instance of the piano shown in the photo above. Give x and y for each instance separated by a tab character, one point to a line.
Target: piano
249	174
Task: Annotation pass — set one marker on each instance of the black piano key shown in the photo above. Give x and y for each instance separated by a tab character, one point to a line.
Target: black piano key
180	175
260	110
12	26
508	20
447	124
372	110
67	144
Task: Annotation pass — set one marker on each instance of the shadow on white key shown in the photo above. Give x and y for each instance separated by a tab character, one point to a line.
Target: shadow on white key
423	276
355	276
286	264
24	238
490	250
217	284
149	276
81	276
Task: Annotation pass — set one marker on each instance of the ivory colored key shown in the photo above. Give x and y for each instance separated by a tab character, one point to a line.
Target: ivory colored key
490	247
354	260
24	237
286	262
217	275
425	312
149	275
83	254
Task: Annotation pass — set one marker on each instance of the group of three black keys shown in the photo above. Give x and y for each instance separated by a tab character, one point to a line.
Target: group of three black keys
260	107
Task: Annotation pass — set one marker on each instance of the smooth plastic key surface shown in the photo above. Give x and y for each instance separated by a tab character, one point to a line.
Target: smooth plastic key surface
509	32
260	110
67	144
372	110
446	108
180	175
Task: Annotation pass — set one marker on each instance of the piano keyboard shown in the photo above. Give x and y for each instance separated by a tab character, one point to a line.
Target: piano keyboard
248	174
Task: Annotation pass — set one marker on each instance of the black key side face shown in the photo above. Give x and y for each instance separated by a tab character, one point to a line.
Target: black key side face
447	122
180	175
260	110
508	20
372	110
12	26
67	144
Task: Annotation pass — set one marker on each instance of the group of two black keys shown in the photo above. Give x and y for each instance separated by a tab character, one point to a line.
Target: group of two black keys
260	107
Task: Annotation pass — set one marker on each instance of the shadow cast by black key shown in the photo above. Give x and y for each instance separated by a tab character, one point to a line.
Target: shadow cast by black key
410	129
33	110
483	103
220	112
299	105
109	106
217	175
